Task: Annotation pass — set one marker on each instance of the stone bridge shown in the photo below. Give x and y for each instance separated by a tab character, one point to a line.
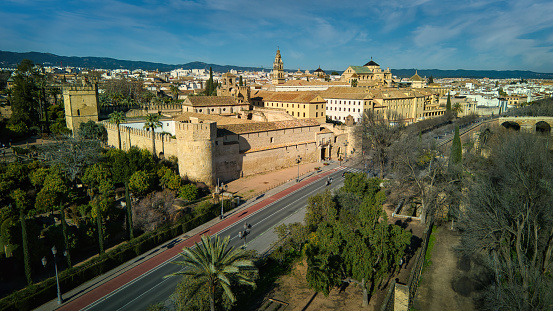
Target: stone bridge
527	124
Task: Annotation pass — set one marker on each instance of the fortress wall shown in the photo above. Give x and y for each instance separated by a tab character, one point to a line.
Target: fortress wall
227	161
141	139
278	158
279	137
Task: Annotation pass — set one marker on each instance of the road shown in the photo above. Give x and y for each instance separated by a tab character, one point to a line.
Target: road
150	287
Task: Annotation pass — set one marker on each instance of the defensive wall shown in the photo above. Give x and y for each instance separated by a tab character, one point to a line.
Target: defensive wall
206	154
140	138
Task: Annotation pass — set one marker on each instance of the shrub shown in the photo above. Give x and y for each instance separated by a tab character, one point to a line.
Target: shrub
188	192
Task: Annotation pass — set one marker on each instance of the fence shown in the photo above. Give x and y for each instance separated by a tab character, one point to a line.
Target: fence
415	274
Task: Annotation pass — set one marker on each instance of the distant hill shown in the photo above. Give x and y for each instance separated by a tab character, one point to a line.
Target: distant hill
11	59
461	73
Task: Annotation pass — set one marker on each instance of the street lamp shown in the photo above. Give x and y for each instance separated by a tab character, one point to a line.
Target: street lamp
222	190
45	261
298	160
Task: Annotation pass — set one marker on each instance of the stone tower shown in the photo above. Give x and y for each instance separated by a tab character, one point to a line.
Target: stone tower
195	149
81	105
278	71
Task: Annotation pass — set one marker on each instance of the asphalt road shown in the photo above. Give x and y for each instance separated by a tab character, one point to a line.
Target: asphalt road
151	287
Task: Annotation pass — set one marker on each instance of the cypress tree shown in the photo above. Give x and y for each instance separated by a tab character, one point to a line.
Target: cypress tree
430	80
240	82
26	255
456	156
448	105
65	236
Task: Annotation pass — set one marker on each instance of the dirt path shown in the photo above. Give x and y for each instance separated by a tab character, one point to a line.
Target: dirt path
449	283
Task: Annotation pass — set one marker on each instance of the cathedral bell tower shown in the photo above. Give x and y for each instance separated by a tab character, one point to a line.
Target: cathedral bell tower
278	72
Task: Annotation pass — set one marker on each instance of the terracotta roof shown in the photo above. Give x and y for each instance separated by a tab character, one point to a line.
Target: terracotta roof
202	101
307	83
221	120
345	93
306	97
230	129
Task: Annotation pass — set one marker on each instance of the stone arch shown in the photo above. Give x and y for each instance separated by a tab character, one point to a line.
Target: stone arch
511	125
543	127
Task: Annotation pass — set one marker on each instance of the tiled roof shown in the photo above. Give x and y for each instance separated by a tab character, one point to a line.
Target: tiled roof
288	97
307	83
230	129
221	120
371	63
203	101
360	69
345	93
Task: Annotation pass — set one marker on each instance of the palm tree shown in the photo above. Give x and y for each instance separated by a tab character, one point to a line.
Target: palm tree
117	117
175	91
152	122
217	265
457	108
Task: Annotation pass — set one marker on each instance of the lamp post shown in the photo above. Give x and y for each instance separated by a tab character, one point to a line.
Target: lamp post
44	261
222	190
298	160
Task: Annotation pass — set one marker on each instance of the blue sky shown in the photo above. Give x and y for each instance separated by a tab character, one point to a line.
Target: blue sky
422	34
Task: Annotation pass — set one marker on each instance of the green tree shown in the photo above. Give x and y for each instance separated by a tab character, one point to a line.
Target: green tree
217	266
240	82
210	87
448	104
456	156
175	92
21	203
24	97
97	178
457	108
353	83
363	250
430	80
117	117
188	192
92	130
123	166
152	122
139	183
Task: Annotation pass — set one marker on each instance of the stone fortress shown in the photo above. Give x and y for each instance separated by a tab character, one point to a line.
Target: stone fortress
223	138
247	130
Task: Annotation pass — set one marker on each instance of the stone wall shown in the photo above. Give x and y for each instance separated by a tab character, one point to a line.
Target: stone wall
141	139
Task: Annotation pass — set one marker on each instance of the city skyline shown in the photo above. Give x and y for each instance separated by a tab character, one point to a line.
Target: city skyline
487	35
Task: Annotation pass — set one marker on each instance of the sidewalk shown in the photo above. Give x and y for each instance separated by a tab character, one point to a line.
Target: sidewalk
276	182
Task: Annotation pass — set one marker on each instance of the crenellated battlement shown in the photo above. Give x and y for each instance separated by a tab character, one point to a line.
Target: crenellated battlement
125	130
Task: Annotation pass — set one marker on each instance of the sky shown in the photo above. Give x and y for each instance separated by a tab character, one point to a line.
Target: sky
400	34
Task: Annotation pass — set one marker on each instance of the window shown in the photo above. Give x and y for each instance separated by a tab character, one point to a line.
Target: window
316	114
272	140
78	112
304	114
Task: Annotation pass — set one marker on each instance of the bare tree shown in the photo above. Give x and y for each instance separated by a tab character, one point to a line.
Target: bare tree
378	132
510	219
72	154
